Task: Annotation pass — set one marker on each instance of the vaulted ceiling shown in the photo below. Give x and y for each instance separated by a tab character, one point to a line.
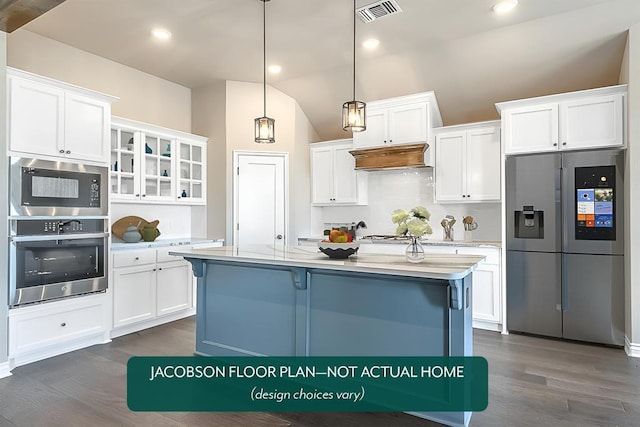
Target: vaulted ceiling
469	56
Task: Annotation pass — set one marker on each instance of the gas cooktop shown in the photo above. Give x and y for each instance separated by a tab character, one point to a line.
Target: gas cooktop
384	237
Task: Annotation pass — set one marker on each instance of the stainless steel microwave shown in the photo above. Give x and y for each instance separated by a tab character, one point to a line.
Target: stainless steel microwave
45	188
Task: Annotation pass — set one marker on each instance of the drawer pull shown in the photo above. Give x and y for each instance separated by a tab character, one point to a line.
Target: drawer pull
137	258
63	324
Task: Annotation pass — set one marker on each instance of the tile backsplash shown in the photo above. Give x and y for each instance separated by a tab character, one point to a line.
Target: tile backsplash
406	188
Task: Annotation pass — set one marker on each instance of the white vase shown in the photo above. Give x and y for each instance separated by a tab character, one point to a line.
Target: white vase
415	251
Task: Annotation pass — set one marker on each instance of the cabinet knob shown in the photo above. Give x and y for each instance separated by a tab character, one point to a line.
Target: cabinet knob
279	237
61	151
464	195
137	258
564	143
391	140
68	151
468	195
154	269
160	269
63	324
144	195
137	195
385	141
555	144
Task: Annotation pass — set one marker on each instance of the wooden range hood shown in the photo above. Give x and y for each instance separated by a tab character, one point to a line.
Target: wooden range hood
390	157
15	13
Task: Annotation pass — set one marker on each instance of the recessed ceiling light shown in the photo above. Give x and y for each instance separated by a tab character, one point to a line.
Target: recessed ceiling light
274	68
161	33
504	6
370	43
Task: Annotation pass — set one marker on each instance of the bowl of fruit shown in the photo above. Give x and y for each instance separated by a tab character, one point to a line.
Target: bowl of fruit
340	245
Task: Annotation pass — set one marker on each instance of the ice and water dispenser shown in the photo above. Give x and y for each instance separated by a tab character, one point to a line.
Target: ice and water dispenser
529	223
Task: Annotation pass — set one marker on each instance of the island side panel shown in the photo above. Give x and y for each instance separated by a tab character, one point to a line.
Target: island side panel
377	315
250	310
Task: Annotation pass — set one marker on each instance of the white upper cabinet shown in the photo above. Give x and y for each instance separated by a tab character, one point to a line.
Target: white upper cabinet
153	164
468	163
334	180
573	121
402	120
53	120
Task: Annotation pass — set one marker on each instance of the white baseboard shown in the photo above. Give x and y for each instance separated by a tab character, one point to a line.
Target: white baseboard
146	324
487	325
4	369
632	349
56	350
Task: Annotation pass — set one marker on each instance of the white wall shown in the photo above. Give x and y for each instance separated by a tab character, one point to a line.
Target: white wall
4	192
403	189
143	97
630	74
209	106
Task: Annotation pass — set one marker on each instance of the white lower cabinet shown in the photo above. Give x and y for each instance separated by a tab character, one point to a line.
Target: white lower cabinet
44	330
487	288
150	287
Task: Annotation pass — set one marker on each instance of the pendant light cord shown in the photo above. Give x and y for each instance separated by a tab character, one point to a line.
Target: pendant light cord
354	50
264	53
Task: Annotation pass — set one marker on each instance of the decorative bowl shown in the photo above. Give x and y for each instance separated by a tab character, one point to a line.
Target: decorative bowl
338	250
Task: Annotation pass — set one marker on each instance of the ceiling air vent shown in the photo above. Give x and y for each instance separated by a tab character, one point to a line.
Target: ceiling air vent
378	10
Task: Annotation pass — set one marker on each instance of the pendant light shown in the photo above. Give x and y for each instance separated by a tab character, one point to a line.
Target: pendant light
264	126
354	112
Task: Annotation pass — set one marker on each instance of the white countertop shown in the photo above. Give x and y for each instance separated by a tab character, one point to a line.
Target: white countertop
424	242
435	266
158	243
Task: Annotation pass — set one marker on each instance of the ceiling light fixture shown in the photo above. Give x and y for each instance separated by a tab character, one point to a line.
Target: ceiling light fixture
275	68
161	33
504	6
371	43
264	126
354	112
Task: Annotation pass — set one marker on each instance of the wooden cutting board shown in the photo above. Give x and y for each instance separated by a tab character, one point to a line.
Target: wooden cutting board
120	226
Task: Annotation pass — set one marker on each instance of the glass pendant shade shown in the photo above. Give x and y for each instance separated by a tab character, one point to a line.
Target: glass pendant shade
265	130
354	117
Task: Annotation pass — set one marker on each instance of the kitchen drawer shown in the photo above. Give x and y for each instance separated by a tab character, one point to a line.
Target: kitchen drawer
163	254
132	258
492	255
49	327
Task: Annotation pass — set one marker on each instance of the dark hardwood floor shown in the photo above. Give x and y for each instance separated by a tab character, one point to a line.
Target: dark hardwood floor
532	382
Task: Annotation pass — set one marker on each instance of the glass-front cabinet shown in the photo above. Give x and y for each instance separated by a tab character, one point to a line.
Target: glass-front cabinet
154	164
191	168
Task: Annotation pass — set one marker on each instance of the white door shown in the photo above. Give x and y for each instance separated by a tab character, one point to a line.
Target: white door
483	164
86	135
260	199
450	167
531	129
408	123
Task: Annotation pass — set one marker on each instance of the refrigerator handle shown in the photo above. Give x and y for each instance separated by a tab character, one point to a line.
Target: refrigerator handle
564	287
563	203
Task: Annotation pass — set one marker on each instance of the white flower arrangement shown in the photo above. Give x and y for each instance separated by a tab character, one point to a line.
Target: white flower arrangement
414	222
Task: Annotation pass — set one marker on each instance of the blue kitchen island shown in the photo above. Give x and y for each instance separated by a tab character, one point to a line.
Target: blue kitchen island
295	301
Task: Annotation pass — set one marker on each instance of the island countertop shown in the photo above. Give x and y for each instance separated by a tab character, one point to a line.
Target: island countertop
435	266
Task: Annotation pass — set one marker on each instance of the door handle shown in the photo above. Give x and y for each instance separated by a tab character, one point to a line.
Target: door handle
279	237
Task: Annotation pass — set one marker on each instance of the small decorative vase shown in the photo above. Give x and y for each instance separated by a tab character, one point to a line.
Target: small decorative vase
415	251
131	234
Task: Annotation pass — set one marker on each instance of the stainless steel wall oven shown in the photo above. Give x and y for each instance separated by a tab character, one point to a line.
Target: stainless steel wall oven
56	257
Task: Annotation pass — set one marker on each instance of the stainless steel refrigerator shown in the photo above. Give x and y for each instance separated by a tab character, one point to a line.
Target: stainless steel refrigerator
565	245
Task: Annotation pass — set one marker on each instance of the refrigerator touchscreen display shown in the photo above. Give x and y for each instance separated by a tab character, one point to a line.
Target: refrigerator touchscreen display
595	203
